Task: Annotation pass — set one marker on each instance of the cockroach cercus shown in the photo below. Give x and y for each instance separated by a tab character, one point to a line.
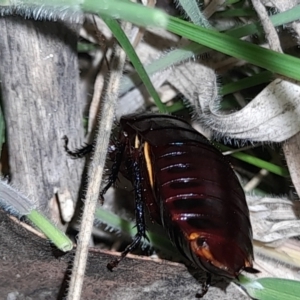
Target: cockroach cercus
189	188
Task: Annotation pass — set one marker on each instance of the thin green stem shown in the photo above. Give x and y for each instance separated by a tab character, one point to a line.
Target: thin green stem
57	237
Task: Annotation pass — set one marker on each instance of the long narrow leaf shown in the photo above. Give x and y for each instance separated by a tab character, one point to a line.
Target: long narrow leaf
128	11
178	55
138	14
276	62
272	288
255	161
245	83
127	47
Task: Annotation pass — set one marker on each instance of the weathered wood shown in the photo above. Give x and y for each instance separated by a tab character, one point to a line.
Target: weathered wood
28	268
39	83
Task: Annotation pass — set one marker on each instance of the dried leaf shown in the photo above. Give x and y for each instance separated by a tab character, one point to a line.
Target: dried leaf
272	116
273	219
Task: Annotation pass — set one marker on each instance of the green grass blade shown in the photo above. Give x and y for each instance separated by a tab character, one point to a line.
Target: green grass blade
263	77
257	162
128	11
127	47
118	9
15	203
233	13
57	237
165	62
272	288
261	164
138	14
282	18
192	49
273	61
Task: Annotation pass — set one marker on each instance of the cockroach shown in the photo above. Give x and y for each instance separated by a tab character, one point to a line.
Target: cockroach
189	188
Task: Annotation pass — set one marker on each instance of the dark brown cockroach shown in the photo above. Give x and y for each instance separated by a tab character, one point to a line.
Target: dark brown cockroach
189	188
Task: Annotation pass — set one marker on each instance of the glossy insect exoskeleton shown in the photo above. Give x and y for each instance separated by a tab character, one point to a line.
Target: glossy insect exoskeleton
189	188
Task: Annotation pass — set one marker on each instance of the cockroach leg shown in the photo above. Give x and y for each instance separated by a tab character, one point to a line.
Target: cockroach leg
139	211
119	151
205	286
77	153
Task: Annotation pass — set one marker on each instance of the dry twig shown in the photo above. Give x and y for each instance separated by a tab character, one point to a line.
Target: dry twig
95	171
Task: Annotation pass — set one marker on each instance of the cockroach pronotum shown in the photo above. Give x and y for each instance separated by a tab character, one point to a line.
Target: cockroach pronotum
189	188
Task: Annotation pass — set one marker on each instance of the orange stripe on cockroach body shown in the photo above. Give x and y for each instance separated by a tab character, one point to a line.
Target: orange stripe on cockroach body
148	163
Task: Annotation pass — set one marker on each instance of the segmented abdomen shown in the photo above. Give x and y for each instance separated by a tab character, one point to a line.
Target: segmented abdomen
200	196
192	188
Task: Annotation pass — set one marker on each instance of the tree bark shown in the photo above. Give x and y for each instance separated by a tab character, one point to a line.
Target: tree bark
39	84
